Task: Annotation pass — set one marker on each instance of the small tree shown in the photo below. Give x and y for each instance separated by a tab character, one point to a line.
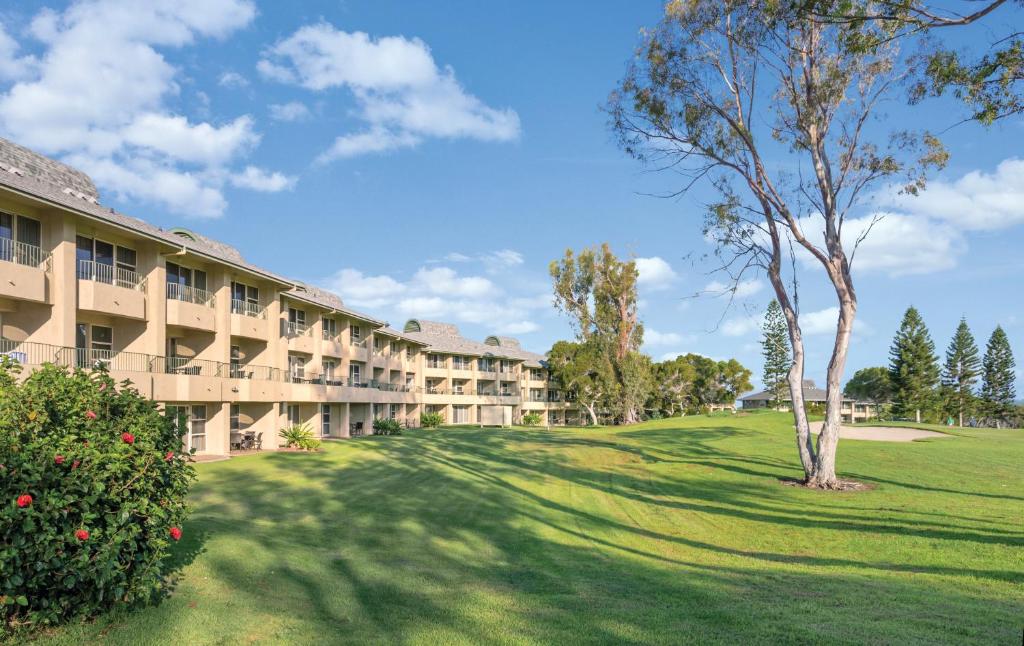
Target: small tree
913	367
673	386
584	370
775	350
431	420
997	386
871	384
960	372
531	419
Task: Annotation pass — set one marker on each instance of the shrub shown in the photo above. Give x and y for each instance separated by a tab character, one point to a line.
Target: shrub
386	426
531	419
431	420
299	436
93	483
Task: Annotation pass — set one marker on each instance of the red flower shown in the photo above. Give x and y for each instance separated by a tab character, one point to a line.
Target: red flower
128	438
82	535
103	387
90	415
175	533
169	456
59	459
74	465
24	500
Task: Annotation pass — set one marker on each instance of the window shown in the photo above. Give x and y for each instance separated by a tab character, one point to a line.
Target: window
94	343
294	417
236	412
298	317
296	367
393	411
96	261
460	414
378	344
182	283
353	374
458	363
330	327
245	299
394	348
378	411
355	334
20	239
236	362
328	370
194	418
408	354
325	419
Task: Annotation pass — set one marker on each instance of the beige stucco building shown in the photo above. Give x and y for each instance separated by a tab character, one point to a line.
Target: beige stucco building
233	347
850	410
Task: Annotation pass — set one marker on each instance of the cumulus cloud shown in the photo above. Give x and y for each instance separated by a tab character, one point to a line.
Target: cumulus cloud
654	338
442	293
655	274
291	111
100	94
740	326
402	96
264	181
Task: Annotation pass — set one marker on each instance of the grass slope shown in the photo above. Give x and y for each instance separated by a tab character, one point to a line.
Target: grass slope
672	531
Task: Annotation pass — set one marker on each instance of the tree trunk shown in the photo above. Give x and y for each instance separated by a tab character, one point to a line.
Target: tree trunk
795	377
917	415
824	475
593	415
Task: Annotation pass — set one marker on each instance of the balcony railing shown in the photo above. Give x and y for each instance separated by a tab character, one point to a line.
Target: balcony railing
246	308
329	335
24	254
177	292
291	329
264	373
194	367
436	363
111	275
357	343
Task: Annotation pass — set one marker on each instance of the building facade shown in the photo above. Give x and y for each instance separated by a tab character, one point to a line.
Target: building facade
228	346
850	410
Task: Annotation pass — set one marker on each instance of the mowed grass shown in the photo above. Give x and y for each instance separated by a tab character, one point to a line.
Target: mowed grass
670	532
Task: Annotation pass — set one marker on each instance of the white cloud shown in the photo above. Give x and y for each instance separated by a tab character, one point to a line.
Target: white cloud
901	244
978	201
258	179
822	322
494	262
742	289
12	66
291	111
232	80
403	97
655	274
442	293
100	96
654	338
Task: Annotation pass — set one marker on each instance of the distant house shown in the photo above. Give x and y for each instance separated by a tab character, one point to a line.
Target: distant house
851	410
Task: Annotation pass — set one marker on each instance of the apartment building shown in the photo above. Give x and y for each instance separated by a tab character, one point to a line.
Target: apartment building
232	348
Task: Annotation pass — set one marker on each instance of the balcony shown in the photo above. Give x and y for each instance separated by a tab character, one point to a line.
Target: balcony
25	277
191	308
331	345
249	320
299	335
111	290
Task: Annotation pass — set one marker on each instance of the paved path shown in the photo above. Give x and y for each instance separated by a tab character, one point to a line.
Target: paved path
880	433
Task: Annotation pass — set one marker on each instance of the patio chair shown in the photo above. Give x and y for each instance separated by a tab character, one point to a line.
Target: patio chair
236	441
259	441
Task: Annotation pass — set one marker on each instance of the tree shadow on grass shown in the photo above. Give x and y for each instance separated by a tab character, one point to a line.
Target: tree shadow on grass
487	537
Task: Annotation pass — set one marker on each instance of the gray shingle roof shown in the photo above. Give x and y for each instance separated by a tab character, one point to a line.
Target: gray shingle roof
812	394
446	339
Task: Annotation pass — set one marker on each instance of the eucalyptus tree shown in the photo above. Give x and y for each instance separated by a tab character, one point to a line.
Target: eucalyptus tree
736	94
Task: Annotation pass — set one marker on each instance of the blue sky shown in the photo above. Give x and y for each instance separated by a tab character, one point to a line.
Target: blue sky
431	159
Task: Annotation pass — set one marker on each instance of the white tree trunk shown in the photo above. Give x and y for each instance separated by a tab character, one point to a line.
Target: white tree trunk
824	475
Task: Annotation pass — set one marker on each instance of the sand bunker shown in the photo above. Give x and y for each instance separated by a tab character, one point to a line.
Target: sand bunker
880	433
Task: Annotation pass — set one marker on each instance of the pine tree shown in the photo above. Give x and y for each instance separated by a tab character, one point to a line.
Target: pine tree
775	350
963	366
997	388
913	366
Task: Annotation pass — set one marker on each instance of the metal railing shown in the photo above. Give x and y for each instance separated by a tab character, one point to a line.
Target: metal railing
357	343
436	363
177	292
291	329
263	373
245	308
193	367
22	253
328	335
110	275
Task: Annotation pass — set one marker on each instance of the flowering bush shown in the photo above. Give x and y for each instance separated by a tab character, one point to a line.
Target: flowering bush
89	503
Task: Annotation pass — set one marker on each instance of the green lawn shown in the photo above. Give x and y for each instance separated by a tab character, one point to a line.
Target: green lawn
672	531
